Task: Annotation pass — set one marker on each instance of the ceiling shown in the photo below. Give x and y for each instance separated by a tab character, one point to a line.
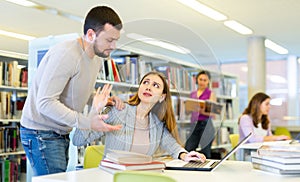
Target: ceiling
167	20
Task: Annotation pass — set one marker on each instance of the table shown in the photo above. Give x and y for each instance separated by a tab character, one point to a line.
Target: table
229	171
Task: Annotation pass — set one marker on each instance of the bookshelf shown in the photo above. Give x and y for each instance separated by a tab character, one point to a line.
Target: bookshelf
131	64
13	92
125	70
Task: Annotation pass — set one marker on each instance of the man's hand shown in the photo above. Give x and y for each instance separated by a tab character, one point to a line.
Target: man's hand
117	102
99	125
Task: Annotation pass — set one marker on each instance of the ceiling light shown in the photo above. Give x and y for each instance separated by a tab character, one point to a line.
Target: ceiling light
13	54
205	10
16	35
276	102
275	47
158	43
234	25
23	3
244	69
277	79
298	60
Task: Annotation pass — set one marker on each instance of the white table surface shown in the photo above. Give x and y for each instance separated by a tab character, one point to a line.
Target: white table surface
229	171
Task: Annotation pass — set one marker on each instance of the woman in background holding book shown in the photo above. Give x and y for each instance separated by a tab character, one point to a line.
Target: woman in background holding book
147	121
202	128
255	119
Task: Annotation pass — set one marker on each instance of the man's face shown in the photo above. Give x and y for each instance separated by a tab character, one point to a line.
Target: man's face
105	41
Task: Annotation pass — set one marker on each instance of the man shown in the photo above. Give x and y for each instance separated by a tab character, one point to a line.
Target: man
63	84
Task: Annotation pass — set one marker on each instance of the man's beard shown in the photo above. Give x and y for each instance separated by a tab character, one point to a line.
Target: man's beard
98	53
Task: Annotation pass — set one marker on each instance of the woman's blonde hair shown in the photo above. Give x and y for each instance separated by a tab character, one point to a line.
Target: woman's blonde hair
164	109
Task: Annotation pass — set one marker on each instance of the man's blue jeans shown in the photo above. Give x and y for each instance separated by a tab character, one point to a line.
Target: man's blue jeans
47	151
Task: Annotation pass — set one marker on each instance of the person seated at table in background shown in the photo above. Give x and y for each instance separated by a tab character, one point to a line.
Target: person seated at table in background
148	122
255	119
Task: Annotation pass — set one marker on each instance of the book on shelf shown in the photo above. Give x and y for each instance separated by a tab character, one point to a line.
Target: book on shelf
192	105
12	75
282	150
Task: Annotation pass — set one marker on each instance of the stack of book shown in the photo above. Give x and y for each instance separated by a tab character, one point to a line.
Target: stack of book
282	159
117	160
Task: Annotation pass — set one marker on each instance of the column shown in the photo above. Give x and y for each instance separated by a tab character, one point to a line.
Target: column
256	65
292	84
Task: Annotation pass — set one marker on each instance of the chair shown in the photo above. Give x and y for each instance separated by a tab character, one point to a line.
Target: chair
144	176
234	139
92	156
280	130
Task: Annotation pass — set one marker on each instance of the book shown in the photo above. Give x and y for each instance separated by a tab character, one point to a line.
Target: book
154	165
282	150
194	105
279	159
125	157
113	171
275	170
277	165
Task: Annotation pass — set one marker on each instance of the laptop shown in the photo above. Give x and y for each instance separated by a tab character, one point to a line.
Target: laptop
208	165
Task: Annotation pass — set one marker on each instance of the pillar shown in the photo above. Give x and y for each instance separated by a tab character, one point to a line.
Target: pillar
256	65
293	85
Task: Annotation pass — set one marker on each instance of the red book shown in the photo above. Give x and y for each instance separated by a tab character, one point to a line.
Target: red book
146	166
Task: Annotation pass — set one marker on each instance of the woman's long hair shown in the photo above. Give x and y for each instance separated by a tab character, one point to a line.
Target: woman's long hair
164	109
253	110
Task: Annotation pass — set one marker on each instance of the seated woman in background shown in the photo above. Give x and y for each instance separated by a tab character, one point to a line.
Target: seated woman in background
255	119
147	121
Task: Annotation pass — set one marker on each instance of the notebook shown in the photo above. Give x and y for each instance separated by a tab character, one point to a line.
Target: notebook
208	165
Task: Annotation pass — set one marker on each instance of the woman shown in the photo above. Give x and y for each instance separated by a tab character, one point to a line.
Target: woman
201	123
255	119
147	121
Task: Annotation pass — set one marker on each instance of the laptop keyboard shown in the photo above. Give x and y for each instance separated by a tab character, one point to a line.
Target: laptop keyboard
195	164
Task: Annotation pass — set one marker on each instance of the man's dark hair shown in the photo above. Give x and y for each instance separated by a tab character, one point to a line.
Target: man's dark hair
98	16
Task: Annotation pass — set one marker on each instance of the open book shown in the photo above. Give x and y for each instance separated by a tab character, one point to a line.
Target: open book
194	105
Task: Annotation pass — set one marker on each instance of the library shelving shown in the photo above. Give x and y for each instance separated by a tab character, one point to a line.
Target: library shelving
13	92
124	71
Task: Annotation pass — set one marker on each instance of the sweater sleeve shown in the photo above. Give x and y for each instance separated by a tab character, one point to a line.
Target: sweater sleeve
246	126
83	137
169	144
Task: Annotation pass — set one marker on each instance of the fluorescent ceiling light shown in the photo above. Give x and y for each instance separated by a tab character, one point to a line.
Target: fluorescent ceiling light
23	3
298	60
244	69
158	43
16	35
275	47
13	54
236	26
276	102
277	79
205	10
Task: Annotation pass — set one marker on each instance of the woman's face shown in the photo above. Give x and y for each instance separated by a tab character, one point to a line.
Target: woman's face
151	89
203	81
265	106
